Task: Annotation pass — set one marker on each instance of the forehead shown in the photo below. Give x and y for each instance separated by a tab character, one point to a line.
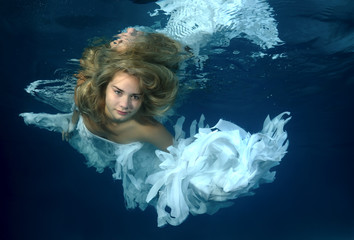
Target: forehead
126	82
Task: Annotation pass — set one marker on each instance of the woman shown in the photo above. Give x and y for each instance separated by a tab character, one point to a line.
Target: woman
118	94
120	102
110	83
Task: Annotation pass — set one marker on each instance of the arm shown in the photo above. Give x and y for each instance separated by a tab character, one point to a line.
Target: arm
76	114
158	136
72	125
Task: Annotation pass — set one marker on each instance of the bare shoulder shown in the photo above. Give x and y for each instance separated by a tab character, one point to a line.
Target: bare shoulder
156	134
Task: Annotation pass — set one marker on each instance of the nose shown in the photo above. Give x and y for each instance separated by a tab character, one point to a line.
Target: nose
125	102
131	31
125	35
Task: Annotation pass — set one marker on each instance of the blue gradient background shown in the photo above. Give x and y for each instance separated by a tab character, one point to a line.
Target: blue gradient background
49	193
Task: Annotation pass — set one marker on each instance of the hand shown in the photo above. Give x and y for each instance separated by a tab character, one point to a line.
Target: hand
66	135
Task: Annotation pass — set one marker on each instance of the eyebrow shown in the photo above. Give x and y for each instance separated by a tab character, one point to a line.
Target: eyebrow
124	91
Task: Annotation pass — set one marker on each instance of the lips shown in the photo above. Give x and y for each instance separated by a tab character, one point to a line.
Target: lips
122	113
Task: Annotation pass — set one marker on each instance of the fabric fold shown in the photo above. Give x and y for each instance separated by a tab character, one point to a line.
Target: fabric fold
199	174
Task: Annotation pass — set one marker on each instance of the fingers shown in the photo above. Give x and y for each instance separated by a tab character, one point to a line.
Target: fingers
65	136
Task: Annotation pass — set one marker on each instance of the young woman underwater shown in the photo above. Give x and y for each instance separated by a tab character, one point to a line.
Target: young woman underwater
120	90
122	86
120	102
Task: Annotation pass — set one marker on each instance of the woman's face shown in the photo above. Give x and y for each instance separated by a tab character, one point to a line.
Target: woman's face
123	97
124	38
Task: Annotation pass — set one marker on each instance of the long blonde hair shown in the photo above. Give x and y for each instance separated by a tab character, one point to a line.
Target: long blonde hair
151	57
149	47
158	84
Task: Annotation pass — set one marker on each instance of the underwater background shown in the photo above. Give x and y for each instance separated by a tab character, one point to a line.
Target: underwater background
49	193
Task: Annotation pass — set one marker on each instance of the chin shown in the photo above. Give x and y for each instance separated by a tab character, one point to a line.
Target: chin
122	118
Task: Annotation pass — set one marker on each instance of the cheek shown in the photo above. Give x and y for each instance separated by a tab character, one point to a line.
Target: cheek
106	100
137	105
109	100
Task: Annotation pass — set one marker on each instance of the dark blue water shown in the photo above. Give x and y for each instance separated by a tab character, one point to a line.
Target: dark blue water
49	193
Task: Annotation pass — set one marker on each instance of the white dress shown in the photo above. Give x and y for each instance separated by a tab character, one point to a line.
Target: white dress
200	174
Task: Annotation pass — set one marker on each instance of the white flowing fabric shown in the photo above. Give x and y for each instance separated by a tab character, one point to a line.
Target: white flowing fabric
200	174
193	22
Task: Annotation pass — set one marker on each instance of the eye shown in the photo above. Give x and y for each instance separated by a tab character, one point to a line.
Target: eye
136	97
118	92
